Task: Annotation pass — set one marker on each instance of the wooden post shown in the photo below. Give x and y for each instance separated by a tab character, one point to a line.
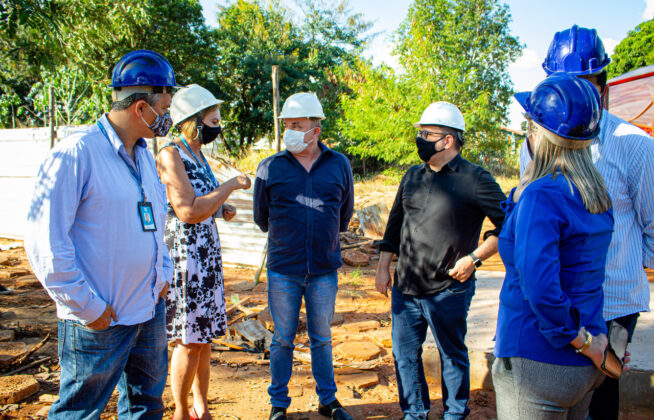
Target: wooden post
275	87
52	113
155	146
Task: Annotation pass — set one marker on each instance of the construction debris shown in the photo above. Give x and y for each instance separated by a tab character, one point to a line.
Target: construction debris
355	258
7	335
28	282
253	331
361	350
357	380
362	325
238	358
16	388
11	352
373	219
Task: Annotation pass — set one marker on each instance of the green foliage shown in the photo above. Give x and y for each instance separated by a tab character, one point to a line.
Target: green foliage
450	50
377	114
90	36
253	36
634	51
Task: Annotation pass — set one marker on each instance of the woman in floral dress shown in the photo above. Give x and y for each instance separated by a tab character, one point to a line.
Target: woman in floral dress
195	305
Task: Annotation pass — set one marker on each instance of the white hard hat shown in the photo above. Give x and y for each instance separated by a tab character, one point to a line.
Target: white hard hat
442	113
302	105
190	100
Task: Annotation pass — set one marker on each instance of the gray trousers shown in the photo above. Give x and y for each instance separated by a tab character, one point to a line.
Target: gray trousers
530	390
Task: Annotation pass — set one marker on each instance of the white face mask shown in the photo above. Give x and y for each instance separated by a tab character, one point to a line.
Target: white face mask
294	141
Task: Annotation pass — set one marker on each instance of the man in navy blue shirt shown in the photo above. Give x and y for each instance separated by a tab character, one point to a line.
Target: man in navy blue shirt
303	197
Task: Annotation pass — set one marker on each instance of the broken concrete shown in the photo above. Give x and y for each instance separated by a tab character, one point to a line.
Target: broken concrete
358	350
254	331
11	351
360	326
265	317
6	335
238	358
355	258
28	282
359	380
16	388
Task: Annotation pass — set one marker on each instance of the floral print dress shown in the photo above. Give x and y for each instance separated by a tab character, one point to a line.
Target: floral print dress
195	304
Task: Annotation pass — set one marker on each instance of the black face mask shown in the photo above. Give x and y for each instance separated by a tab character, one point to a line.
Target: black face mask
427	149
209	134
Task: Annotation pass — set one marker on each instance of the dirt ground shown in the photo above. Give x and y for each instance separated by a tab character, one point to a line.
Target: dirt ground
239	380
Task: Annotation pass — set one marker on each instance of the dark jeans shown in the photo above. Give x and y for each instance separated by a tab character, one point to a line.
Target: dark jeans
93	362
445	313
605	404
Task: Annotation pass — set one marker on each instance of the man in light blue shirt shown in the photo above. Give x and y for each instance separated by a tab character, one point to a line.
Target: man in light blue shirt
95	241
624	155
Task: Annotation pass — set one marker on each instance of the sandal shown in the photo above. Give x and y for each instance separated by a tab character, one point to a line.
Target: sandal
192	414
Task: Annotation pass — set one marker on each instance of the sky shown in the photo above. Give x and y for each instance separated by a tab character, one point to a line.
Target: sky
534	24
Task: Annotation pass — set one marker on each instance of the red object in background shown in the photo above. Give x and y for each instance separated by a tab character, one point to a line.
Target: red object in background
631	97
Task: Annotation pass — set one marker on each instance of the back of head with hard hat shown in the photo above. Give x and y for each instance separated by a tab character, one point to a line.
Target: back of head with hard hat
567	111
579	52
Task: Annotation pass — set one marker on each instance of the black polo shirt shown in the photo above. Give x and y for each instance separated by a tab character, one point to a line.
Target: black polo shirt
436	219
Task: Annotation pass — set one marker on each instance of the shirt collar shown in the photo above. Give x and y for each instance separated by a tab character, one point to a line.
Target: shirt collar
323	149
452	165
115	141
604	122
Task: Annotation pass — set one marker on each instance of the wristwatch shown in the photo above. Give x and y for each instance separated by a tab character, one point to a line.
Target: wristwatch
475	260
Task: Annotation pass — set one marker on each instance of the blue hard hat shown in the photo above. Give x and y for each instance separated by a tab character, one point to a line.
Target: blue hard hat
143	68
577	51
565	105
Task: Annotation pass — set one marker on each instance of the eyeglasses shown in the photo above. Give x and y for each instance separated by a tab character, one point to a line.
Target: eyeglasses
432	135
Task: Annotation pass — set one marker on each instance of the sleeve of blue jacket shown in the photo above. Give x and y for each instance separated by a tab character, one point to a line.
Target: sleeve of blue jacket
539	222
347	207
260	201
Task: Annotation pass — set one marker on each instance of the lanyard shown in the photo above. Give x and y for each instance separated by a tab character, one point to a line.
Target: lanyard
205	166
135	174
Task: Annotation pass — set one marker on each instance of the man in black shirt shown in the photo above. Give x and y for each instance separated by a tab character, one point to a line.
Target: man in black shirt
434	228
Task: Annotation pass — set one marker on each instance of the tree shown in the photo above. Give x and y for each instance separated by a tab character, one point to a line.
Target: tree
449	50
634	51
253	36
91	36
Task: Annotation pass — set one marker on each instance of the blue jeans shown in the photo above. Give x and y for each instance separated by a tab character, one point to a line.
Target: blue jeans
93	362
445	313
284	300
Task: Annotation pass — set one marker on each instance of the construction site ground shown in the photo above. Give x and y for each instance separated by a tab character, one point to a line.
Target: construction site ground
361	338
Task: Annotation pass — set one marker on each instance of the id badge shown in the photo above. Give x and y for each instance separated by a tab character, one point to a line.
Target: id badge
147	216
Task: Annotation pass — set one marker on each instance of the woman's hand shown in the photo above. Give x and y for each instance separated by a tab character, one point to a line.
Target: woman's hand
240	182
229	212
595	352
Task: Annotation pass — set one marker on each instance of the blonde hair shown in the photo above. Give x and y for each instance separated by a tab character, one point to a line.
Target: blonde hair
189	127
572	157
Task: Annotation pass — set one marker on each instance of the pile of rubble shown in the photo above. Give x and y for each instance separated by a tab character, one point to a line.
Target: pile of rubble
360	348
359	245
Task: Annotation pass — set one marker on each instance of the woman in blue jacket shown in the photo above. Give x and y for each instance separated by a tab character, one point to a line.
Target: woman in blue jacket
551	337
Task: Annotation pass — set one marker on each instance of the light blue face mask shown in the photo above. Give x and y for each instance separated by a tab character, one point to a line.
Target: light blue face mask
294	140
161	125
